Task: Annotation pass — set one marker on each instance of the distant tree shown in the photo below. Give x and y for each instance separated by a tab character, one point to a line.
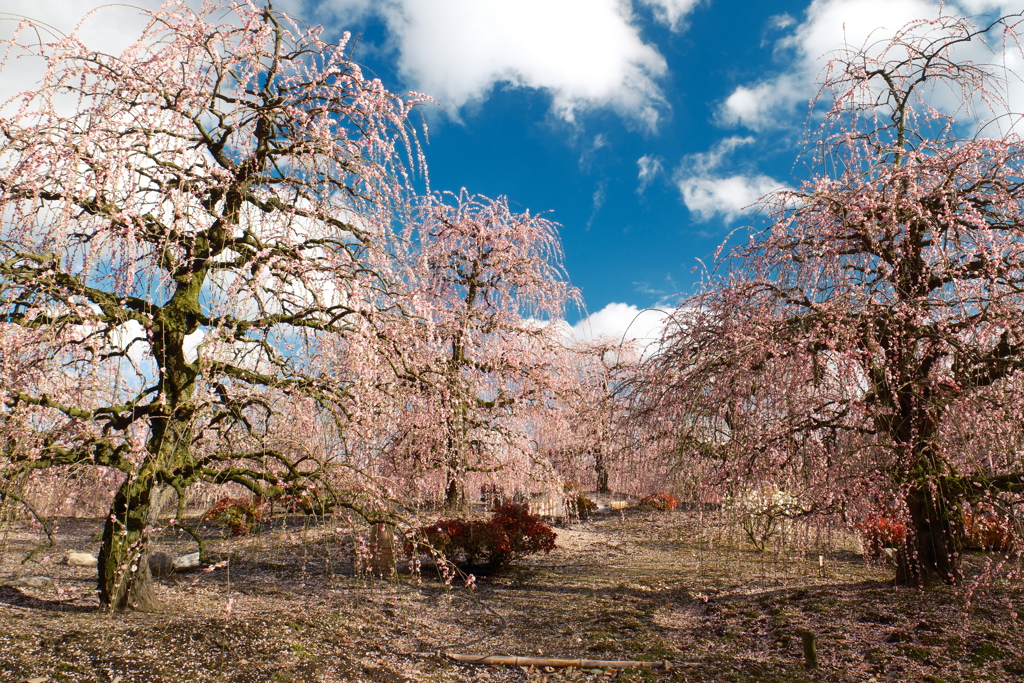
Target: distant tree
479	348
867	342
183	225
586	431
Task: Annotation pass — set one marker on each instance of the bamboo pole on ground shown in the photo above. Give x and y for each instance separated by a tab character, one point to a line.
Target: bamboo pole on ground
508	660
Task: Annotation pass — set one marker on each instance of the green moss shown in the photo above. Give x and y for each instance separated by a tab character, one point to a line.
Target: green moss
915	652
986	652
1014	666
600	640
650	648
638	676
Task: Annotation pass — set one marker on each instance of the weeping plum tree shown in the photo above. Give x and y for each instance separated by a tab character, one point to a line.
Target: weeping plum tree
183	224
585	430
866	345
476	352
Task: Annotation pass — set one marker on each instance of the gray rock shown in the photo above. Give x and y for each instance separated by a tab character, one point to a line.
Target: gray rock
33	582
80	559
190	561
161	564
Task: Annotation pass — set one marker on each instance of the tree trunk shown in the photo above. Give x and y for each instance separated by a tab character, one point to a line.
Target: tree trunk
382	551
935	540
455	490
602	472
124	579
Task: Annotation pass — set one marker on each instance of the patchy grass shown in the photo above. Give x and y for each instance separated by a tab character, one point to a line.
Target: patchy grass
648	586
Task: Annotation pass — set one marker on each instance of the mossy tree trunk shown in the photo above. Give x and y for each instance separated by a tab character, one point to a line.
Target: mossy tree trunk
935	539
124	578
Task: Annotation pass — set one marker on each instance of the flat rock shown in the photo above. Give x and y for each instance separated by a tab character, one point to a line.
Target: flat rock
190	561
33	582
80	559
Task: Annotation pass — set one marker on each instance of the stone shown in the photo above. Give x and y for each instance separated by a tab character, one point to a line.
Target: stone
80	559
190	561
33	582
160	564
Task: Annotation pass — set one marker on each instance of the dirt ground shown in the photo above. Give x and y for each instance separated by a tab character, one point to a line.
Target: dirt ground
655	586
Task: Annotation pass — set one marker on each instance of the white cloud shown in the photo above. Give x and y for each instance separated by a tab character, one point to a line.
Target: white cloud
997	7
708	193
781	21
597	202
671	12
590	152
764	104
712	159
619	321
726	196
828	26
110	28
649	168
584	53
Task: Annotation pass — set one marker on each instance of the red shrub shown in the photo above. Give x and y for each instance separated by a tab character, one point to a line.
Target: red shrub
510	533
239	514
662	500
878	532
987	530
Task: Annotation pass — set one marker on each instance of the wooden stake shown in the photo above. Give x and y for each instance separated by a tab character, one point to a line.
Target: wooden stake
810	649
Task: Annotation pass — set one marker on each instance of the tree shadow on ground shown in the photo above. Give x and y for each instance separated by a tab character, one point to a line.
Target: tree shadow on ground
12	596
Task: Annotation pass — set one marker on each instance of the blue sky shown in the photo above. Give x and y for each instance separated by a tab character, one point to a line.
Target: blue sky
606	167
643	127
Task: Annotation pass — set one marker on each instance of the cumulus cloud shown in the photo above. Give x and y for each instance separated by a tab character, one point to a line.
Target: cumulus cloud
724	196
707	192
108	28
764	105
620	321
584	53
831	25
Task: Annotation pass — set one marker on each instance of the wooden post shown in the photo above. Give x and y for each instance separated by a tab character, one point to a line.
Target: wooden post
382	550
810	649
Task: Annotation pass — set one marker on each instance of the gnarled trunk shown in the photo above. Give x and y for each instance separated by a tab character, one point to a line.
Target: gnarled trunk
124	579
935	539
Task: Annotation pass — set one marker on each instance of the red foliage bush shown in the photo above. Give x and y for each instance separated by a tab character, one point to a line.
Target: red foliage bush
510	533
878	532
987	530
237	515
662	500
